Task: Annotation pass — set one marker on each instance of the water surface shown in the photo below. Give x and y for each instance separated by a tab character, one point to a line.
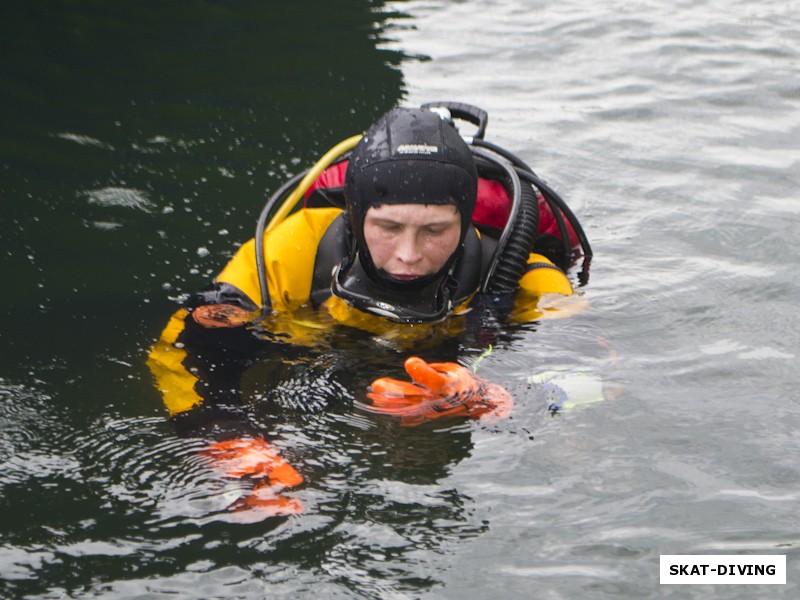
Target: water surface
141	147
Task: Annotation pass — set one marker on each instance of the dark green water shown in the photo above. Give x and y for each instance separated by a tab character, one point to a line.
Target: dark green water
133	135
137	145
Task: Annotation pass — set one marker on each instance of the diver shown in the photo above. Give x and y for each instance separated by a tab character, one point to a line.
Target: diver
399	233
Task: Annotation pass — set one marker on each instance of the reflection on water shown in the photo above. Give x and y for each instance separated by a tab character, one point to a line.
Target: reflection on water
140	150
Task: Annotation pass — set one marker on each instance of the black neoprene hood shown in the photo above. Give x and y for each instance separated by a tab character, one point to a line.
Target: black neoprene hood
410	156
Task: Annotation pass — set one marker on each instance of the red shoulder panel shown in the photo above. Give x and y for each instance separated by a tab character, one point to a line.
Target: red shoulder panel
491	208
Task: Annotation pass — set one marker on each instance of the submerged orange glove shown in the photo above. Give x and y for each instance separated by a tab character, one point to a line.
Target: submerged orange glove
438	390
214	316
255	459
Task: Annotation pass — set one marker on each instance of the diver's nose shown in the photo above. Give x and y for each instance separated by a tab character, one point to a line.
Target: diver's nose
408	248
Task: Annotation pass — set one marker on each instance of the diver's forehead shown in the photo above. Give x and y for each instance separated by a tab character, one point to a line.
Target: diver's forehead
416	214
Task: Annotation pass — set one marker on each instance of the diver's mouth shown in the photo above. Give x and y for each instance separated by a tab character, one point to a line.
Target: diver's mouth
404	276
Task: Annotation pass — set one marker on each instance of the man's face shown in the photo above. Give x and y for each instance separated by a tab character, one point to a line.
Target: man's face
409	241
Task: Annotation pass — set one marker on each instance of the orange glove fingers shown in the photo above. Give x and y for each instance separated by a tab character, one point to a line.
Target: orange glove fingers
460	380
285	474
391	406
444	389
385	386
252	457
448	368
257	460
426	409
384	404
424	374
265	503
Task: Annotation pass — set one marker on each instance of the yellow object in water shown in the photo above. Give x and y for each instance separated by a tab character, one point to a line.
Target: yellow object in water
174	382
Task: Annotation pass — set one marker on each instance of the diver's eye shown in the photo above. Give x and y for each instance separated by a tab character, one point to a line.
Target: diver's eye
390	228
434	231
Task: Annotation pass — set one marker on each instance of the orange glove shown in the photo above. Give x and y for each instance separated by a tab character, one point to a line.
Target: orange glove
438	390
214	316
255	459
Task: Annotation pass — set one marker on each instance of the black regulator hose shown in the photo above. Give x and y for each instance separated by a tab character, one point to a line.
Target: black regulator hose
499	150
524	169
261	266
554	199
514	259
557	205
518	236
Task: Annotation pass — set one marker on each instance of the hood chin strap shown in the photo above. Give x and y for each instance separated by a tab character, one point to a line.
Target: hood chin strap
338	271
424	302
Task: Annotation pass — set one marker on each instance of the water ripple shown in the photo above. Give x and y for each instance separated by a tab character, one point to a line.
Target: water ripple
122	197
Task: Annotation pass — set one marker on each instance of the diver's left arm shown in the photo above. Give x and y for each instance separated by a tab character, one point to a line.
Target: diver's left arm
545	292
